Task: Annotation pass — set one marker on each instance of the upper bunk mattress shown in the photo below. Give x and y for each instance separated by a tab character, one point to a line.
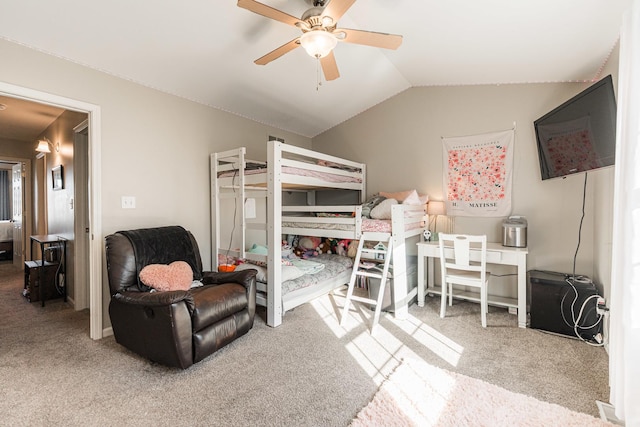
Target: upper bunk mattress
324	176
368	225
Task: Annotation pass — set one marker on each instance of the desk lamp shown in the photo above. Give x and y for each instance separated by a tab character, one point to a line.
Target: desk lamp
434	209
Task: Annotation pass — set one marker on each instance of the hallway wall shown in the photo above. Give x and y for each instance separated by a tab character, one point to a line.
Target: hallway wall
60	204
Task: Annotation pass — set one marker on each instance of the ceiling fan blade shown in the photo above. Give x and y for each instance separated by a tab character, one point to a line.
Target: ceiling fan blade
268	11
337	8
277	53
369	38
329	67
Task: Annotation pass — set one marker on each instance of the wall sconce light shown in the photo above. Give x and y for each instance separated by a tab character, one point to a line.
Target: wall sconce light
43	146
434	209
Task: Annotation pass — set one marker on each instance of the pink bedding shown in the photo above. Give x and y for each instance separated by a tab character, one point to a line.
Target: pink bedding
375	225
384	225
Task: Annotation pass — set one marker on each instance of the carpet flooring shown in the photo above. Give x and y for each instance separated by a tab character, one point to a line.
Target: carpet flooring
307	372
419	394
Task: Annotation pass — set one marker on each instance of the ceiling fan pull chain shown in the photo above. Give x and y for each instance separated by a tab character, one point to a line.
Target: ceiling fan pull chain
318	78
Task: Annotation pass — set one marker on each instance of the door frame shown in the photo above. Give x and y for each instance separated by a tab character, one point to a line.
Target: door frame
95	194
81	220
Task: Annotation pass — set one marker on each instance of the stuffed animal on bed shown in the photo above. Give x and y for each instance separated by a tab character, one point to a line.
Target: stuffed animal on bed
303	253
292	240
352	249
333	245
341	248
324	247
309	242
287	250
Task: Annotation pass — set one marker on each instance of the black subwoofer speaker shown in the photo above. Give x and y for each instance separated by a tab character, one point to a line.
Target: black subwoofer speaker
556	301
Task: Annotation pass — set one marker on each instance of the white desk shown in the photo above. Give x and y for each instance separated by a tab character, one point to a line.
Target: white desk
496	254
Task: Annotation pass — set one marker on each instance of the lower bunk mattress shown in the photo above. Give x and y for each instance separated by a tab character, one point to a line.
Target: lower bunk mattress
335	273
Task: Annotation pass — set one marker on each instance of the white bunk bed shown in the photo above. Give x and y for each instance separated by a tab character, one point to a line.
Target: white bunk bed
294	169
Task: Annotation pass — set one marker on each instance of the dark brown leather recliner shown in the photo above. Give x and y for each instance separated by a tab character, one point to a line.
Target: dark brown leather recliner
174	328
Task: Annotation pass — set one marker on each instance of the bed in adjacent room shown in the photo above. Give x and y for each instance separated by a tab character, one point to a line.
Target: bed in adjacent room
6	240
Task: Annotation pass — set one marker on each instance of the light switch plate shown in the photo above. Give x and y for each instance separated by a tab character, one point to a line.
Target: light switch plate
128	202
250	208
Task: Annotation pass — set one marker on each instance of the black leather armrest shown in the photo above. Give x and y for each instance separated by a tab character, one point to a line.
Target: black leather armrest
246	278
155	299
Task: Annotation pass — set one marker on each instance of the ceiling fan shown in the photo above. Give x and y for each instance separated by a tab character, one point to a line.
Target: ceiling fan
320	33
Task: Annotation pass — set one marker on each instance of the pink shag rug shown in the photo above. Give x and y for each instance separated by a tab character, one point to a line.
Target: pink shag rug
418	394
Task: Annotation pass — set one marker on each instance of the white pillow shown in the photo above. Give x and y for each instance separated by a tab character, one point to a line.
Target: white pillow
383	210
289	272
415	199
262	272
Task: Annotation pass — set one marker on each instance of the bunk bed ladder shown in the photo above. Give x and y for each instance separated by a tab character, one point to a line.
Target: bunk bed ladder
360	272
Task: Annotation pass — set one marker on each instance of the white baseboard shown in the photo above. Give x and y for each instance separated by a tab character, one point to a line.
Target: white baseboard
106	332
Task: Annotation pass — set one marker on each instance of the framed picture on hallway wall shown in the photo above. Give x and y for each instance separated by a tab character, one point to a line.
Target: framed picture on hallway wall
57	177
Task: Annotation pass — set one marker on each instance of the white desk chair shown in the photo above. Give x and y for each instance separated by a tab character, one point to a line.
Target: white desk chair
457	269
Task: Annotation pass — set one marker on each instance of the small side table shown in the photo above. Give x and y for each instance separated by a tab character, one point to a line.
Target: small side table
48	240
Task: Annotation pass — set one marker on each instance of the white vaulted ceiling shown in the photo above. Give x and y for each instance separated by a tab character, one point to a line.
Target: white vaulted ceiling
204	50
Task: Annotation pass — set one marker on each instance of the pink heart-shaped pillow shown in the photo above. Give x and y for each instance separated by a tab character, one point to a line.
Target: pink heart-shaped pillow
176	276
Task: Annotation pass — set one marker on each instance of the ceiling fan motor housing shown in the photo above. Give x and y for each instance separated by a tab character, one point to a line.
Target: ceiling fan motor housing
315	21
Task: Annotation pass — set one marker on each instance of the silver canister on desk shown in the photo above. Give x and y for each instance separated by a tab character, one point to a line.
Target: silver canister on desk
514	232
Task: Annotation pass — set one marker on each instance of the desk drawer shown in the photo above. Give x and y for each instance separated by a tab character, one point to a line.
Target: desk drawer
493	257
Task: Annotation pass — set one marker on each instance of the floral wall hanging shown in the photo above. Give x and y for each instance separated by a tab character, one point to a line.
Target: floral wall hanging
478	174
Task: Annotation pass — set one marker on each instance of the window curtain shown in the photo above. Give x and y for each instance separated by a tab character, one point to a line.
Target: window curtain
5	191
624	328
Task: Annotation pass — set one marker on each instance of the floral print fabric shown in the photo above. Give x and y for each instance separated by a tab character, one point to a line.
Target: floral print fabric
478	174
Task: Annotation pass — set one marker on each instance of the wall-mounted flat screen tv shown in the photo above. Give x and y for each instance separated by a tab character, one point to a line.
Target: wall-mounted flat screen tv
579	135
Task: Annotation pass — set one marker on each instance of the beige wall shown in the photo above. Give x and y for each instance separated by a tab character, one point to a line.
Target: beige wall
155	146
400	141
59	212
16	149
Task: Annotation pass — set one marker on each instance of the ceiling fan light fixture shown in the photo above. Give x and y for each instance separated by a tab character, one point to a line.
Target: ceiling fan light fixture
318	43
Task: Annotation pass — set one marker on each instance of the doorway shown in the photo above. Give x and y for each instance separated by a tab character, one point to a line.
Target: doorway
93	172
15	221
